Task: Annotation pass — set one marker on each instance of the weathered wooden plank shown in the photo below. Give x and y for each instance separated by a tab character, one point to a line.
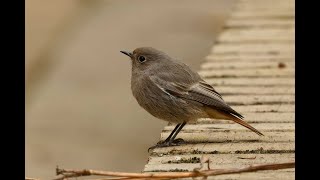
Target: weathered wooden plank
268	158
259	31
254	48
272	56
263	11
252	66
263	6
270	116
244	90
227	73
253	7
248	39
269	3
234	136
226	148
218	160
267	127
263	14
254	81
264	108
212	65
259	23
259	99
266	175
257	35
224	160
251	117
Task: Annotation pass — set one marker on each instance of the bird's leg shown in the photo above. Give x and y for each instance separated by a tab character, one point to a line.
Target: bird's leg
173	131
165	142
170	139
179	140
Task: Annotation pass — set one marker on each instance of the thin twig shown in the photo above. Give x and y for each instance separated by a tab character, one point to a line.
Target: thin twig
67	173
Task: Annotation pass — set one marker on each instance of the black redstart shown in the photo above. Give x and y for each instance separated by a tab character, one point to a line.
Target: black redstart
171	91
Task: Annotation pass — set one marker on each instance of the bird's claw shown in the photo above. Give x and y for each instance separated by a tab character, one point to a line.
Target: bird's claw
178	141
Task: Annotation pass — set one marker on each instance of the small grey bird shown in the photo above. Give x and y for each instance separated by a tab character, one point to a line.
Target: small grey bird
171	91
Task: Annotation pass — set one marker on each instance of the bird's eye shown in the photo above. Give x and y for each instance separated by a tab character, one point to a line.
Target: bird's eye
141	59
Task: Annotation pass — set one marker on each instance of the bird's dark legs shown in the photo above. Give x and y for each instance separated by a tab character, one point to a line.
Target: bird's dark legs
171	138
177	132
173	131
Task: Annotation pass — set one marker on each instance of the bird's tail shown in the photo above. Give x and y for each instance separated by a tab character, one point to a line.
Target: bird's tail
243	123
216	114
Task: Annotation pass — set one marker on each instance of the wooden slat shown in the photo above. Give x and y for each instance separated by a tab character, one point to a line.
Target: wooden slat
226	148
190	166
261	7
267	175
265	108
246	65
259	90
273	56
269	3
226	73
225	160
254	48
245	7
257	35
259	99
254	81
234	136
191	128
280	174
263	14
259	23
252	66
254	117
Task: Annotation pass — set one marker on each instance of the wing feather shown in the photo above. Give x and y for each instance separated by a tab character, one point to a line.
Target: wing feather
200	92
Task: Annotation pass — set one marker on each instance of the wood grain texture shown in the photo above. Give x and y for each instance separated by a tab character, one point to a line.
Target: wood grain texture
252	65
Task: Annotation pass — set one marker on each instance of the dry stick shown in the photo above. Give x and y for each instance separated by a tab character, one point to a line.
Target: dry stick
213	172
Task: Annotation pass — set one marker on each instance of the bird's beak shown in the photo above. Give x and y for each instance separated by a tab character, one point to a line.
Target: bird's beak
127	53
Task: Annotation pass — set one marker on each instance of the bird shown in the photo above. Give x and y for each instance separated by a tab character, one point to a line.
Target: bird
171	91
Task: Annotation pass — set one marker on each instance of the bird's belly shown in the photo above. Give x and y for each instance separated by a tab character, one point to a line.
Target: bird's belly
170	108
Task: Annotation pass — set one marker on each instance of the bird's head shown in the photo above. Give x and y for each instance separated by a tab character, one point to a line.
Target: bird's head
145	57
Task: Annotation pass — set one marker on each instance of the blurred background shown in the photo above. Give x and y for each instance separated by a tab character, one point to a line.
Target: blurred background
80	112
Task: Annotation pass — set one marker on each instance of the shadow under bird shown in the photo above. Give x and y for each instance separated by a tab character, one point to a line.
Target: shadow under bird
171	91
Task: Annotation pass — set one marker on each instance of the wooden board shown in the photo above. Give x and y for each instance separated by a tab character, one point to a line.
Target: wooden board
252	66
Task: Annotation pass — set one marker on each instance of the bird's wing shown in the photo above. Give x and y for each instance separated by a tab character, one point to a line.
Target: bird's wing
200	92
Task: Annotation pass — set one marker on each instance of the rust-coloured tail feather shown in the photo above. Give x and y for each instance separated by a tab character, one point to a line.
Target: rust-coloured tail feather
218	114
243	123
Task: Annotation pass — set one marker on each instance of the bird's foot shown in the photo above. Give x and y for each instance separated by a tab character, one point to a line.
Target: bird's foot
178	141
175	142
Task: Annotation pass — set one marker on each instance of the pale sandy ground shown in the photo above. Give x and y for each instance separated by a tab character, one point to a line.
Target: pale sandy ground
83	114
